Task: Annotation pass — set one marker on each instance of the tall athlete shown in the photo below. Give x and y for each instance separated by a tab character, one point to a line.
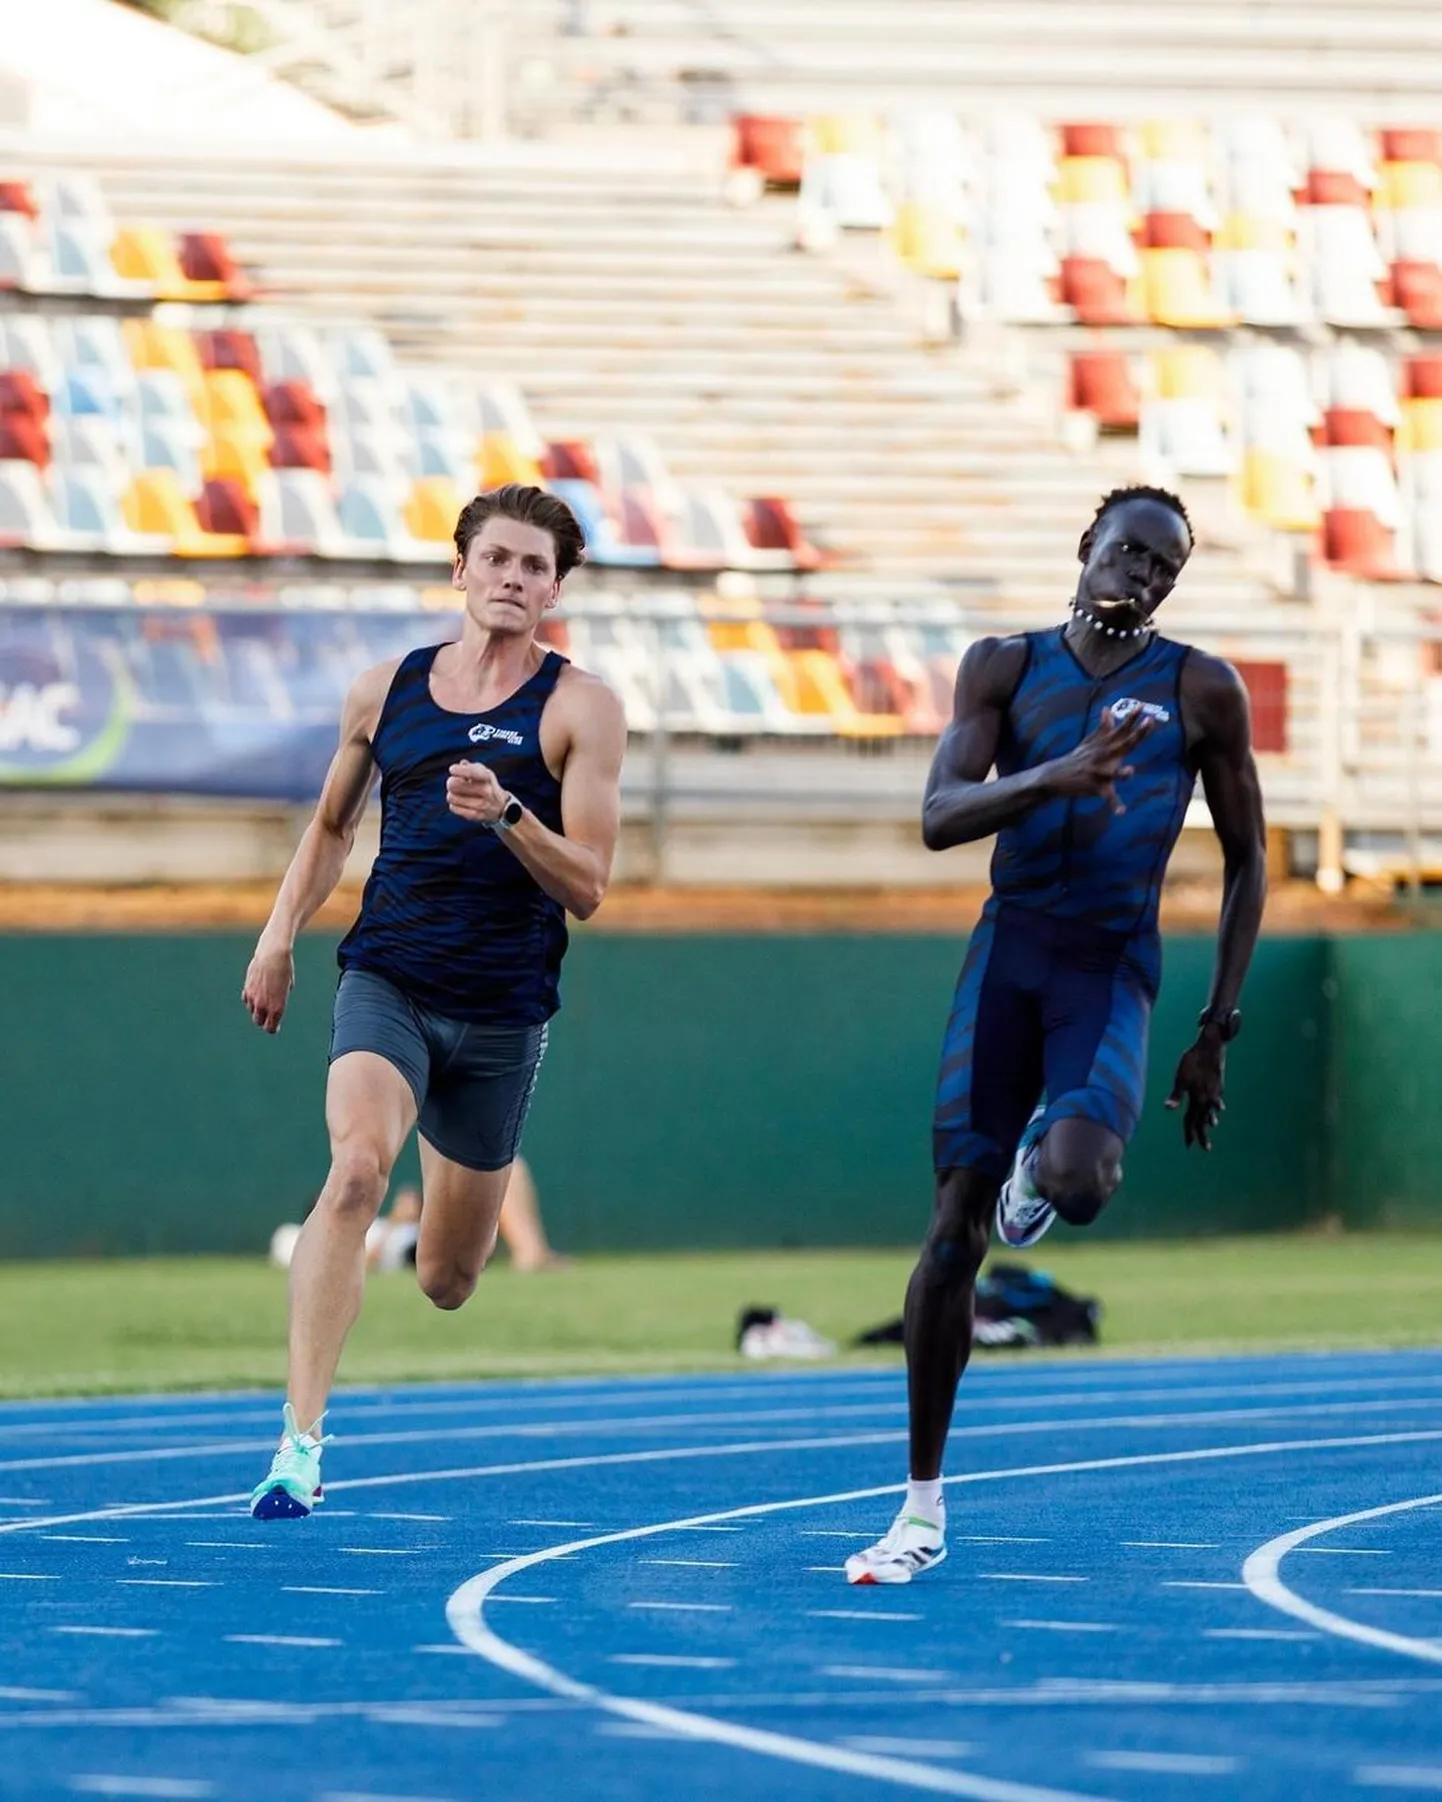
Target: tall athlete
1097	730
500	804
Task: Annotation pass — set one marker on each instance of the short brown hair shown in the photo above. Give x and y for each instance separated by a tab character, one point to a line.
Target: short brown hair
528	507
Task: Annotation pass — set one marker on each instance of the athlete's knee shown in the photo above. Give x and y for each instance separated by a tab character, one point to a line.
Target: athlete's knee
448	1283
357	1183
958	1238
1079	1178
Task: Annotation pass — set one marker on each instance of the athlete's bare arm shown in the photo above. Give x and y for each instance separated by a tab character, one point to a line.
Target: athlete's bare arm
961	805
321	855
584	730
1219	732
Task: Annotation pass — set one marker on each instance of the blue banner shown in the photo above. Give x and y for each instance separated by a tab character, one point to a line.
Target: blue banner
243	703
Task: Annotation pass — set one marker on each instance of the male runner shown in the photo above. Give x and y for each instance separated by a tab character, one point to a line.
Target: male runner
1097	730
500	804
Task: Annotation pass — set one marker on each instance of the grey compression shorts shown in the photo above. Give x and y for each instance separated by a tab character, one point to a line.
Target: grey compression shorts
472	1083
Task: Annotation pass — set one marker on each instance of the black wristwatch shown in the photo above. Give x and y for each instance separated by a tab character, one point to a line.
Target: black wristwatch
510	815
1227	1020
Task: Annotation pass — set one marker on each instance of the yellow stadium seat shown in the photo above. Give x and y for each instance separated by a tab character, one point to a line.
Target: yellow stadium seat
499	459
846	134
432	508
1250	231
1280	491
1189	372
1405	185
229	452
928	239
1083	179
233	405
146	253
156	504
1421	426
821	690
1174	141
153	346
1178	292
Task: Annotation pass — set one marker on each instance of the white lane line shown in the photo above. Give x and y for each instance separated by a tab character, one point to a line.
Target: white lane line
418	1517
667	1661
1180	1584
23	1501
356	1795
311	1589
465	1612
1065	1626
587	1524
1262	1575
164	1583
867	1673
830	1533
379	1551
516	1600
856	1614
110	1632
1429	1594
181	1789
825	1570
1046	1424
280	1639
1399	1776
1342	1551
685	1607
1170	1545
994	1539
226	1545
1164	1764
26	1576
1009	1576
439	1651
1255	1633
86	1538
10	1694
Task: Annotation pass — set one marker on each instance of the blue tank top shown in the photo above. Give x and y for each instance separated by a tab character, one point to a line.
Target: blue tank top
450	915
1072	857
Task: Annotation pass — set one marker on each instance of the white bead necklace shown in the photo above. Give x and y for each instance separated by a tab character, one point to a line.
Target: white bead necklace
1142	631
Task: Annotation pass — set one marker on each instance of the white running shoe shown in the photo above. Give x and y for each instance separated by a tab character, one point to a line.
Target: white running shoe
911	1546
1023	1215
292	1488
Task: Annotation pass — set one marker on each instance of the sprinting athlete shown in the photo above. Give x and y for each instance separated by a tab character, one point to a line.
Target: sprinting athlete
1097	730
500	804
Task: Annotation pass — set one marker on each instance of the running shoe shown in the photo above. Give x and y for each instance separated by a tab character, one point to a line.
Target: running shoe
1023	1215
293	1488
911	1546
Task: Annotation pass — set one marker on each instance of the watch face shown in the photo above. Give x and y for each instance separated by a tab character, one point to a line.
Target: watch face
512	813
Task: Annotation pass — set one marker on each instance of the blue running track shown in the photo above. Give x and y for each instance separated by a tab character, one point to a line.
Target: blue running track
1216	1579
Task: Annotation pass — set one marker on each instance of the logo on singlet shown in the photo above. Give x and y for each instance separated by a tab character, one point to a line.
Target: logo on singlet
479	735
1127	706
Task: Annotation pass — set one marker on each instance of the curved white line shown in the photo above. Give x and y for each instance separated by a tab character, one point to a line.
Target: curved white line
1262	1575
465	1612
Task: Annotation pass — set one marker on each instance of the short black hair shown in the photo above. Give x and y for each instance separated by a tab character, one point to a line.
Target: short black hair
1141	491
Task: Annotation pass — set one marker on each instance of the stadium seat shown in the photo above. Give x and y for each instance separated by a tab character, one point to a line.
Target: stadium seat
1092	139
145	253
21	393
156	504
929	240
570	459
1280	490
603	541
230	349
1101	384
300	447
92	442
225	508
206	258
1421	427
26	343
293	352
18	196
1093	179
1422	377
88	509
771	525
1358	376
155	346
165	446
298	513
772	146
1096	293
23	262
1178	291
431	509
24	438
500	459
1342	265
708	533
1185	437
1417	291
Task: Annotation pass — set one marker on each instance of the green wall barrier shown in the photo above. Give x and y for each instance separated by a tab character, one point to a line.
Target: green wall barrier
699	1091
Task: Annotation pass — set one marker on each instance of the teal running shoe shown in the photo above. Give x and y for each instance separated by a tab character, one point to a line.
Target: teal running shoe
292	1489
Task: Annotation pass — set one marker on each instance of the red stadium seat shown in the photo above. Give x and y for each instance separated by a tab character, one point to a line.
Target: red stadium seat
1417	290
772	146
23	439
295	404
570	460
1357	541
206	257
230	350
1423	377
1409	144
21	393
1096	292
1331	187
301	447
225	507
1102	385
1092	140
1266	685
19	197
1352	426
1175	231
772	526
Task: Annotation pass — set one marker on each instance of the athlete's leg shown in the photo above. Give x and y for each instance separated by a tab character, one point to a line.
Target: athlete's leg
521	1226
459	1218
369	1110
940	1307
1079	1168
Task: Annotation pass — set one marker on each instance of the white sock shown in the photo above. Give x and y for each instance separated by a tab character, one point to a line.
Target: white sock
926	1500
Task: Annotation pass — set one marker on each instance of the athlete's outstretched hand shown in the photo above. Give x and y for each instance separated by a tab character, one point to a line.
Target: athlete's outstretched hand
1199	1087
268	983
1100	761
473	793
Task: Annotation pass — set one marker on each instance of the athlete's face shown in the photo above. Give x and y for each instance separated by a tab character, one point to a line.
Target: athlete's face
508	576
1131	560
